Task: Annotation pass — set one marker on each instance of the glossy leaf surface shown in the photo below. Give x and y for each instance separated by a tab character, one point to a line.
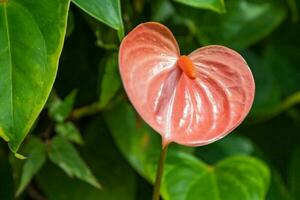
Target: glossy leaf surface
215	5
182	109
106	11
244	23
29	53
185	176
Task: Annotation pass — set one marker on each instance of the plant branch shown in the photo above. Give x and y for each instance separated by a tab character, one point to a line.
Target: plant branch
159	173
85	111
94	108
289	102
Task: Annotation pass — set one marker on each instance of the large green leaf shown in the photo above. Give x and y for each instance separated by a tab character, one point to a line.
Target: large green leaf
63	154
215	5
277	72
117	177
36	158
31	40
106	11
185	176
231	145
244	23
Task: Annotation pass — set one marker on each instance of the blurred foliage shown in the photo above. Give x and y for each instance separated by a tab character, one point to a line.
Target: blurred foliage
88	134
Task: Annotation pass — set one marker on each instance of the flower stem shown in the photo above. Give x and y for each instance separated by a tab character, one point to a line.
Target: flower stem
159	173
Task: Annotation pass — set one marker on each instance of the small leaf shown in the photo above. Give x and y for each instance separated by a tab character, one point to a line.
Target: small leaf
111	81
118	179
106	37
64	154
106	11
60	110
36	152
69	131
31	40
294	174
214	5
185	176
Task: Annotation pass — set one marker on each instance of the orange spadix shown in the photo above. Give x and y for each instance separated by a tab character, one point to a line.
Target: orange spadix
187	66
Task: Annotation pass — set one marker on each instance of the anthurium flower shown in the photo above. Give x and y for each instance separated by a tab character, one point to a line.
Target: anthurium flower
190	99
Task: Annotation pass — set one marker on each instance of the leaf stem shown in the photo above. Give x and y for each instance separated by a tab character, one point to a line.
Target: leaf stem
88	110
289	102
94	108
159	173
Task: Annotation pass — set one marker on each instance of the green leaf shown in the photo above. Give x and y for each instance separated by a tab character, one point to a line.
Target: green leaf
231	145
214	5
162	10
71	24
117	177
267	93
185	176
69	131
31	40
294	174
106	37
60	110
106	11
111	81
245	23
277	73
63	154
283	60
36	152
278	190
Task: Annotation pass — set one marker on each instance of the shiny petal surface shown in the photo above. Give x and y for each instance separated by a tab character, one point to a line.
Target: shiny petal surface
187	111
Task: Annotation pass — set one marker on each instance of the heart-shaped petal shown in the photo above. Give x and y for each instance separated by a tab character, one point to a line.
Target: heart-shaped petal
191	100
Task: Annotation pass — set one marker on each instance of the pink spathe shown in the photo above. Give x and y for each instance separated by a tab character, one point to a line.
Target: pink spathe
185	110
